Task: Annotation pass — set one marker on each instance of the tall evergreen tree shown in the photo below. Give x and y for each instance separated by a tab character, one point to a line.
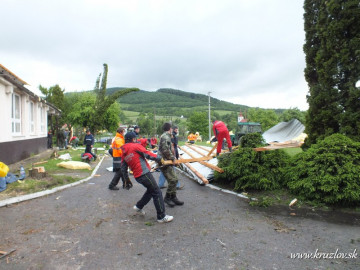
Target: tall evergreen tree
344	28
332	67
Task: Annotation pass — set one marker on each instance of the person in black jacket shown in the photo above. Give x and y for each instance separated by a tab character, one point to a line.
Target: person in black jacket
49	139
89	143
174	141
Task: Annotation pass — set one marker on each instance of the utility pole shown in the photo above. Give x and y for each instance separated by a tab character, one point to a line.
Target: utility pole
209	118
154	122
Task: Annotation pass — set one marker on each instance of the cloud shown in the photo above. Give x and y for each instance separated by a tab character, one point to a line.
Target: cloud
240	50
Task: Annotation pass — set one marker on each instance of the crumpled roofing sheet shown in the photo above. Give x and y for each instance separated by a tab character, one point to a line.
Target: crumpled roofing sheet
205	171
284	131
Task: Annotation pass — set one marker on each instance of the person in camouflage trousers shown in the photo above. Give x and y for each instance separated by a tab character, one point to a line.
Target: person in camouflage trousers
167	153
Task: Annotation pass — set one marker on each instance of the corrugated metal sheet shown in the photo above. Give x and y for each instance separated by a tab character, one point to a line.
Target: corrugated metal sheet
284	131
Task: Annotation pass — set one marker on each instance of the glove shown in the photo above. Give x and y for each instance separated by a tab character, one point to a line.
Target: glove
160	160
214	139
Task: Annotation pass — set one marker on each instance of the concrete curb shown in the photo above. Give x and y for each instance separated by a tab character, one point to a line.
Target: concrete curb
195	178
229	192
49	191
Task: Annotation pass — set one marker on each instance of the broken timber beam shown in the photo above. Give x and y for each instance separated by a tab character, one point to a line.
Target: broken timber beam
211	166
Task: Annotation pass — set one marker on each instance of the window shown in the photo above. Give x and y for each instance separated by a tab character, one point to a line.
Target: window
42	119
16	114
31	118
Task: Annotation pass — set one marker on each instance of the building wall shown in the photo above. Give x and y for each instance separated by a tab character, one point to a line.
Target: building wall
17	146
15	151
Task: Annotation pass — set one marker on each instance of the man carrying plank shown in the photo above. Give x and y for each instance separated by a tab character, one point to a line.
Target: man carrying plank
165	150
134	155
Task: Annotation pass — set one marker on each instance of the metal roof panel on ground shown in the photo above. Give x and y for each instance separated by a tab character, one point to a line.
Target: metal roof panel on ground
284	131
203	170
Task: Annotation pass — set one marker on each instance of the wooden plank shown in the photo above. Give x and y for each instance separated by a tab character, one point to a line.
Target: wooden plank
188	160
277	146
203	147
41	162
212	150
196	150
206	149
216	168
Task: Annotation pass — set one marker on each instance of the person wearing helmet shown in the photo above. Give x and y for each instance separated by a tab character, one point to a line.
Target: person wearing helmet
134	155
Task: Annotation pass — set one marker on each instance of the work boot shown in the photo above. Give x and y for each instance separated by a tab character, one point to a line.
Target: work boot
114	188
230	149
168	200
176	200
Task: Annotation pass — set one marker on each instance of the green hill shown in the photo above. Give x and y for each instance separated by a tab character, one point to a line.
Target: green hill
167	101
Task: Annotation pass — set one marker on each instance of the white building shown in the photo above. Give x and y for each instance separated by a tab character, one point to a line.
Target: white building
24	119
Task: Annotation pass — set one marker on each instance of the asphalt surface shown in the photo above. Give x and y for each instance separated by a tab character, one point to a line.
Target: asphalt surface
90	227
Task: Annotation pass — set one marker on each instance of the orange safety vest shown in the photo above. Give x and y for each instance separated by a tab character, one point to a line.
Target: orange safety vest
192	137
116	145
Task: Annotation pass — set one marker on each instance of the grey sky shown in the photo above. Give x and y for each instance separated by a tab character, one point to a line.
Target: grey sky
244	51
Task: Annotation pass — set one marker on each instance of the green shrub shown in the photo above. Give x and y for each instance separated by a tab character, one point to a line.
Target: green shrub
248	169
328	171
252	140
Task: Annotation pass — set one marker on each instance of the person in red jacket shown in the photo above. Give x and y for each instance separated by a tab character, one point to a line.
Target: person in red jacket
143	141
134	155
221	132
153	142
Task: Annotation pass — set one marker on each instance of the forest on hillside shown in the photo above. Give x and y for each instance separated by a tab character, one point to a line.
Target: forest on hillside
167	101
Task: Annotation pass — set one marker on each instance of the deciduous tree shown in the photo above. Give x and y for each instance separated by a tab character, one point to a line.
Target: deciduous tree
103	102
198	122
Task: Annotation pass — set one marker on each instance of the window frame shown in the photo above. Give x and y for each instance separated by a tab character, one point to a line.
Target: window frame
16	122
31	117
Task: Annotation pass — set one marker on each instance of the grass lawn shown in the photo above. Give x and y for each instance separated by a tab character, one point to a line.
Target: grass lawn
222	112
56	176
131	113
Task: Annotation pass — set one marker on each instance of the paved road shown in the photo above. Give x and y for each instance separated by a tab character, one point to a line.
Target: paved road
91	227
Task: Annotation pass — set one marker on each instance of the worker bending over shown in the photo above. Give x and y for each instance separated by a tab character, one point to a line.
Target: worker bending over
221	132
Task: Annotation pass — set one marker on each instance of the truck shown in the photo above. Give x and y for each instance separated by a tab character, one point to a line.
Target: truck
244	128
